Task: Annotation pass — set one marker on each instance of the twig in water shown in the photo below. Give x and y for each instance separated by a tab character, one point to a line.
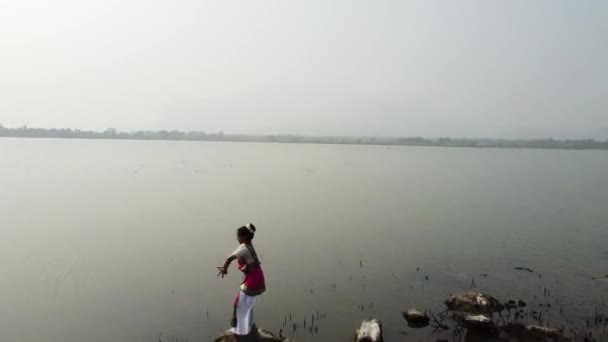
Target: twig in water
439	325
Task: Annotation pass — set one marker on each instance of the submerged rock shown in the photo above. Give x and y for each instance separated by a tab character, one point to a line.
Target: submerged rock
369	331
519	332
474	303
258	335
415	318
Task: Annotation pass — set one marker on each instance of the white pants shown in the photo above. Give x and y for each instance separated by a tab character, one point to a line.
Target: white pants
244	313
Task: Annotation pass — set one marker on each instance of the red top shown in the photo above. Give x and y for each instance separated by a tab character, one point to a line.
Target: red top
254	283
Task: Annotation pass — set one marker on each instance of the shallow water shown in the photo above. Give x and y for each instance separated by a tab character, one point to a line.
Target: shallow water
119	240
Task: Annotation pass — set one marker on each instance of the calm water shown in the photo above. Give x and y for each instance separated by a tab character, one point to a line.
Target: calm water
119	240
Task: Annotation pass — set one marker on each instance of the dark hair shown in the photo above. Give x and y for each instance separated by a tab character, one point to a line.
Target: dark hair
247	231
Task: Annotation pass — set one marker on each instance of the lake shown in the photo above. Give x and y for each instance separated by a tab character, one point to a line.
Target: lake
119	240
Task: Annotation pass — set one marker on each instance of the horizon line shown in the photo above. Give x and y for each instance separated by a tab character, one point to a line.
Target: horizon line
115	131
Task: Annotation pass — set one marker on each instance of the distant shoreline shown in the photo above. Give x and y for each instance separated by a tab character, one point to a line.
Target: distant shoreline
112	134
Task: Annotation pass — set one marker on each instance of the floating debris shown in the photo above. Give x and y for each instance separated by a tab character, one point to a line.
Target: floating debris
519	268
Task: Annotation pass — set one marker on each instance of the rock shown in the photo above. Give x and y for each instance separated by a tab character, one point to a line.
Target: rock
538	333
369	331
415	318
259	335
474	303
479	328
479	323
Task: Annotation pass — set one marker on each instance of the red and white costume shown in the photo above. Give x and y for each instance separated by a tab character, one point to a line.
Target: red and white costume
253	285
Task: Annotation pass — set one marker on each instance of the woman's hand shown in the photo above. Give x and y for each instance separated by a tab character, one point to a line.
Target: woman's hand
222	271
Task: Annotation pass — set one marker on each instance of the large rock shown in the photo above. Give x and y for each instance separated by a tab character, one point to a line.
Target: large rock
258	335
415	318
474	303
369	331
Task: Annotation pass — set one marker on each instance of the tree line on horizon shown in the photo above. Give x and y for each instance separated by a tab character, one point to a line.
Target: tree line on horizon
111	133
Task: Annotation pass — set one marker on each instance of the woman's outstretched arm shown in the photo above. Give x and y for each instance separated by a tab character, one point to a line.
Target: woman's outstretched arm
223	270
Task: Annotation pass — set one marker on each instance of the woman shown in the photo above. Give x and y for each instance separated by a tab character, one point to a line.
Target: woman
253	285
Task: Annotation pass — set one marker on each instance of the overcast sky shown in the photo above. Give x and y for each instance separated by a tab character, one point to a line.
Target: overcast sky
393	68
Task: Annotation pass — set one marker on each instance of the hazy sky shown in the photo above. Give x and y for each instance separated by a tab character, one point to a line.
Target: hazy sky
459	68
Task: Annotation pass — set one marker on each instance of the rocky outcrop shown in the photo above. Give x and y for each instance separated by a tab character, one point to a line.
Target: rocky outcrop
472	311
369	331
258	335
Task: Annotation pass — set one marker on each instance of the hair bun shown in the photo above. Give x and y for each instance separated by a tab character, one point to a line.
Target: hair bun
251	227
